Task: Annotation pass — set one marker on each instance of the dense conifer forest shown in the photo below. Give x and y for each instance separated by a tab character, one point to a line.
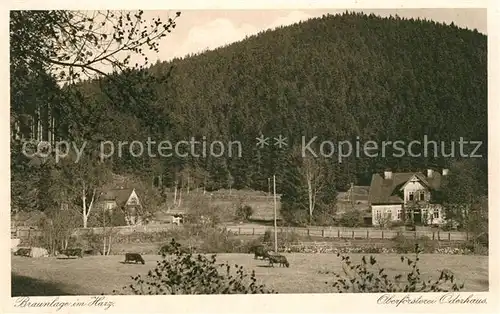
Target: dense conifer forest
347	77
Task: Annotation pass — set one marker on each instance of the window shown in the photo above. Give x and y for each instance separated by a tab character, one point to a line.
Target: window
377	214
400	213
388	213
133	201
410	196
422	196
435	214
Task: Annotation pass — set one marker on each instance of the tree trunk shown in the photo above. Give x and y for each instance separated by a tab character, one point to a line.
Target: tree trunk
84	209
310	192
175	193
109	244
180	198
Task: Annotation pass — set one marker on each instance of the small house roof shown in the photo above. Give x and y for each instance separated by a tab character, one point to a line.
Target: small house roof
120	196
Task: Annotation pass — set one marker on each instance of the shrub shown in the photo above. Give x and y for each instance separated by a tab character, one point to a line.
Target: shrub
284	238
189	274
397	224
220	241
369	277
475	247
407	245
244	212
353	218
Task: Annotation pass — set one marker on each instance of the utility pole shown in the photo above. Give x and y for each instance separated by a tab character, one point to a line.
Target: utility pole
275	225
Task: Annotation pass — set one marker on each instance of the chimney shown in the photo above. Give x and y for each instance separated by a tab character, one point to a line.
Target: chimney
429	173
446	172
387	174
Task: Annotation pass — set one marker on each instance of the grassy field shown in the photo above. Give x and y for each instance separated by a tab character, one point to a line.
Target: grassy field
102	274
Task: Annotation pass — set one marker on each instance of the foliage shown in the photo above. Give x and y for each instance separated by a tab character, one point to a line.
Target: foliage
244	212
57	229
352	218
53	46
370	277
464	190
77	42
407	245
284	238
182	273
308	186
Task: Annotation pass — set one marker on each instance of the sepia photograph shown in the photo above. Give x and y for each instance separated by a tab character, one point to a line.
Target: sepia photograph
272	151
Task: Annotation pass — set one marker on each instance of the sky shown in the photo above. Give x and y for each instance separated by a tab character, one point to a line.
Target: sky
198	30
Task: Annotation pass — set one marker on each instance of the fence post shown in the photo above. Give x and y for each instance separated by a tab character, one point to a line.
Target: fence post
382	234
307	231
338	233
433	235
367	234
439	238
253	231
415	234
353	234
239	230
467	235
449	236
323	233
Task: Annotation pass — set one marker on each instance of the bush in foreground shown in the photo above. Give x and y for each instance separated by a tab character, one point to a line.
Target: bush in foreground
404	244
370	277
185	273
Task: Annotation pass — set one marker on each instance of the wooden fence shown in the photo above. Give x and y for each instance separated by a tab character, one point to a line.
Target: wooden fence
364	233
341	233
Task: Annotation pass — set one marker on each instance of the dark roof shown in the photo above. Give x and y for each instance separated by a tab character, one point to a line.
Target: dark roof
120	196
386	191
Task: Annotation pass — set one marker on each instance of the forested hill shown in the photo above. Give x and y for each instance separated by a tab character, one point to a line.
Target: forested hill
335	77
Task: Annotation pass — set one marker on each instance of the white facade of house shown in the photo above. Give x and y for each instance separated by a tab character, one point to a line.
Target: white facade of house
393	212
414	190
133	199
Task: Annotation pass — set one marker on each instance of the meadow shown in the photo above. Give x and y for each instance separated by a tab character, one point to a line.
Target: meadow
307	273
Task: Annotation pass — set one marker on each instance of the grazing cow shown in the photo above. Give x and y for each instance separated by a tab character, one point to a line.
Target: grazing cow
134	257
73	252
260	251
278	259
23	252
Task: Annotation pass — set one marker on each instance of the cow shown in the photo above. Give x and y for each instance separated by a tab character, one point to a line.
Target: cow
260	251
134	257
78	252
278	259
23	252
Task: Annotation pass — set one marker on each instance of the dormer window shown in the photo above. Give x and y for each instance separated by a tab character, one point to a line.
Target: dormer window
422	196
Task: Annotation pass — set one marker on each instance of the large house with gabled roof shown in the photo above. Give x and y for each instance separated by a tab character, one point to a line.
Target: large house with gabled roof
406	196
